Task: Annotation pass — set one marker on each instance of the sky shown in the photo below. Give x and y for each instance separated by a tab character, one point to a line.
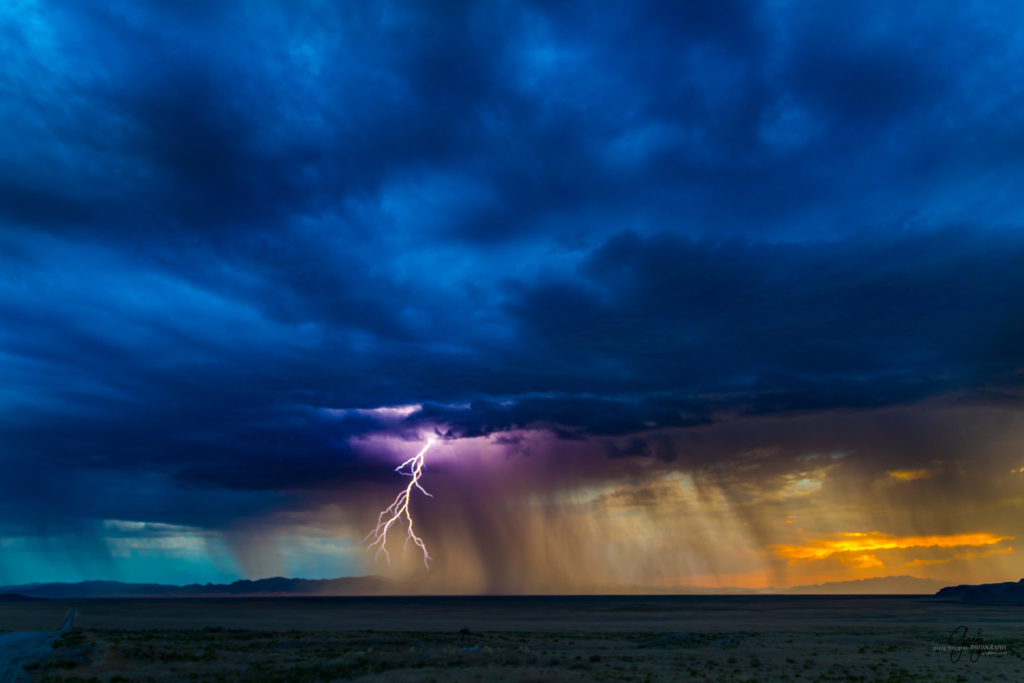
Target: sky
688	294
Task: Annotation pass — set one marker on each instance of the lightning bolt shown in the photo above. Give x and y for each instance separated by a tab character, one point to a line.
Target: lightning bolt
399	510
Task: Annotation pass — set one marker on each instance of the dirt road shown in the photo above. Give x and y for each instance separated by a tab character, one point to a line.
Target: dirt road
25	647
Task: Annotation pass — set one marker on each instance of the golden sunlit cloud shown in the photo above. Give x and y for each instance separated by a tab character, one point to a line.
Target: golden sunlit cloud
863	542
970	555
911	475
865	561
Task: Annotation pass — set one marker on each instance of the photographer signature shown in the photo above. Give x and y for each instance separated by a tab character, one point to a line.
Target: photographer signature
960	640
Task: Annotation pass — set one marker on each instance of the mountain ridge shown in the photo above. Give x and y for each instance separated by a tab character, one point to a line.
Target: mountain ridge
880	585
277	585
280	586
1007	591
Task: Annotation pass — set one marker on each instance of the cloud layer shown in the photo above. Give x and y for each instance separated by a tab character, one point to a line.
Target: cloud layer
229	236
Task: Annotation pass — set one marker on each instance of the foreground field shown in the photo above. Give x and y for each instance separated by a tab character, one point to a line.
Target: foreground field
532	639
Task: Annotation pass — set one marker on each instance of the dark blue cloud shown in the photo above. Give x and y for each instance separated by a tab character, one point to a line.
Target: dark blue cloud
220	228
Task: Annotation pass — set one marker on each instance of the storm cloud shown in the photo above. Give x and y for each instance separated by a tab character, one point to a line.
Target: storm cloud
231	235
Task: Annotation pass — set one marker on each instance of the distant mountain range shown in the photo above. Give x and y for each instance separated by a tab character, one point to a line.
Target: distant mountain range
277	586
883	585
16	597
375	585
986	592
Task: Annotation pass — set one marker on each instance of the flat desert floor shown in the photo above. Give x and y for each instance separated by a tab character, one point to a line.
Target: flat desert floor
621	638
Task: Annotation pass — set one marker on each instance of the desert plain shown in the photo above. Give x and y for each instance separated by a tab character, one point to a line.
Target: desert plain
577	638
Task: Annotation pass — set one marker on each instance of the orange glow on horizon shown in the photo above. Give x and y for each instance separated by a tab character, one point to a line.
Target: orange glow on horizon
863	543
